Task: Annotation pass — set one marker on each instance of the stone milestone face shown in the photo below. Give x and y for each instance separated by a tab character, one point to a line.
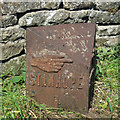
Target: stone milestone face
58	64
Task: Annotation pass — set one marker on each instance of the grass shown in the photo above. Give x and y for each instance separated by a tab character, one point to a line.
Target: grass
107	84
16	103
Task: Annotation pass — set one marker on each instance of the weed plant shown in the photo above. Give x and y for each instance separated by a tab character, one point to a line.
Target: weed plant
107	84
15	102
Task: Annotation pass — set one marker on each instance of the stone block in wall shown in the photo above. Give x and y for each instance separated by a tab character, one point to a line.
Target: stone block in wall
101	17
14	64
20	7
77	5
79	16
13	33
117	17
107	40
12	49
107	6
57	17
109	30
44	18
8	20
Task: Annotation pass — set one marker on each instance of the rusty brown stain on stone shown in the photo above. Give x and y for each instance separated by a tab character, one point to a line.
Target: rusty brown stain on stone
58	64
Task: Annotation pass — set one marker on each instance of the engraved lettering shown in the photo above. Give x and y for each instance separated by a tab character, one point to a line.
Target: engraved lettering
73	80
32	78
84	47
80	85
56	101
51	81
65	35
65	83
44	84
58	82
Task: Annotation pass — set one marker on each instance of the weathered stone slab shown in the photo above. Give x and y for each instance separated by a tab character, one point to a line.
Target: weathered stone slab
108	30
77	5
107	40
107	6
58	64
117	17
12	34
57	17
79	16
44	18
101	17
11	49
8	20
20	7
14	64
113	40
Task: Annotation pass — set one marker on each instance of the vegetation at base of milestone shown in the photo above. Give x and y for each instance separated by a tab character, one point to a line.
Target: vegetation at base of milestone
106	99
17	104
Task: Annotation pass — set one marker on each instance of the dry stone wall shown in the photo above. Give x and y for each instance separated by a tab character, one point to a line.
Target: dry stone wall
17	16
